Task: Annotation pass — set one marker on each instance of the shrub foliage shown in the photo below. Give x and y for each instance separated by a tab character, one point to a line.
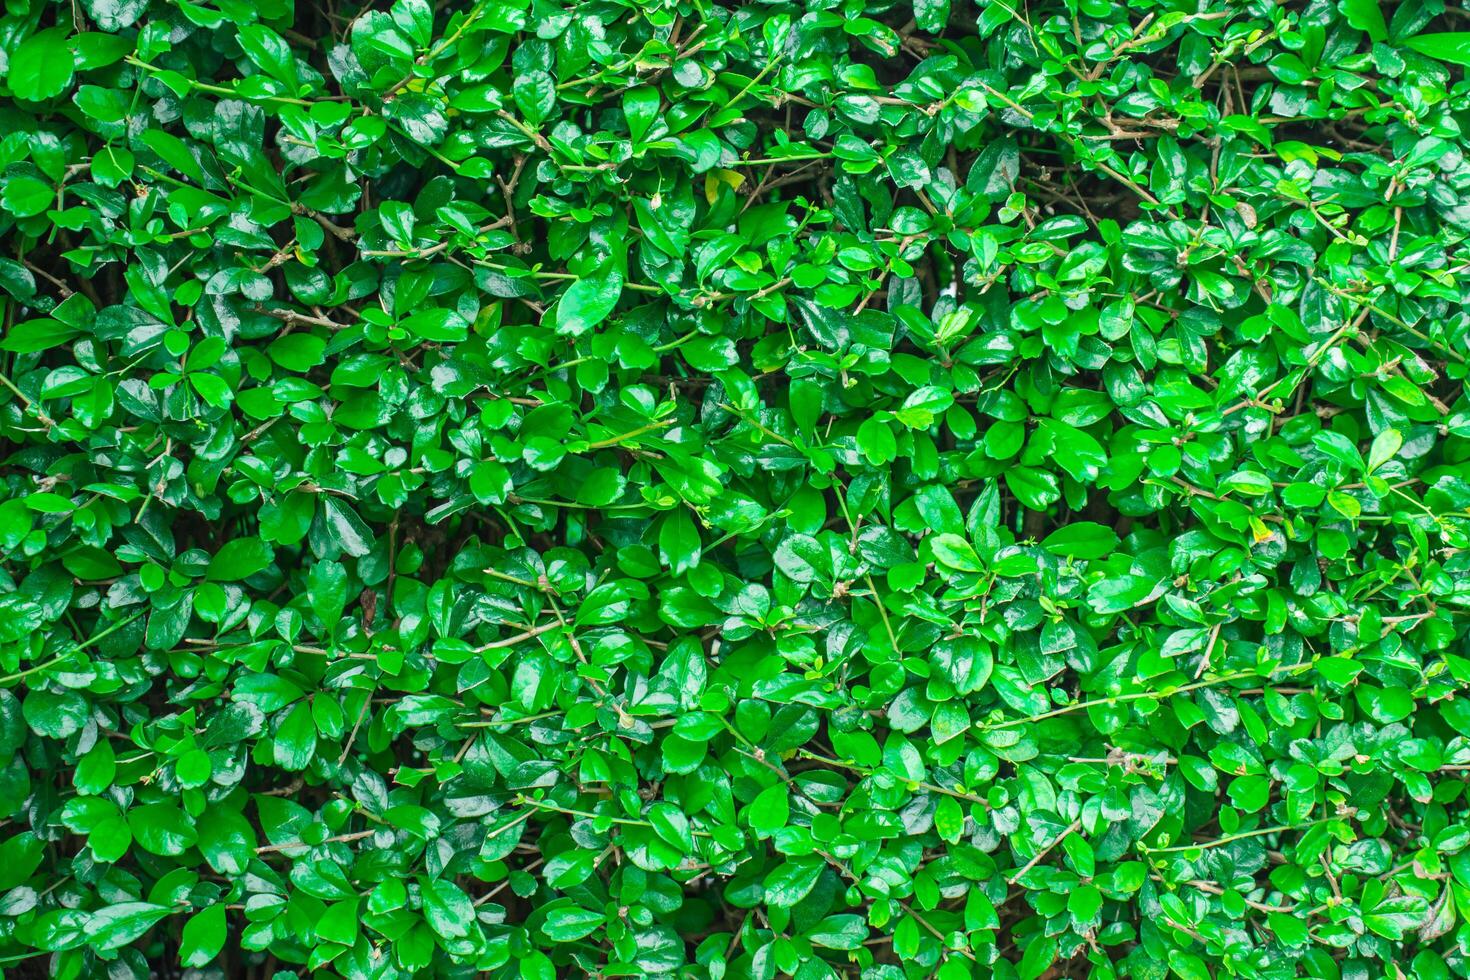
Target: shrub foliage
734	490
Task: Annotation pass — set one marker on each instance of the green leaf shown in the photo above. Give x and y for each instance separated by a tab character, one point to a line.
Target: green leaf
447	909
114	15
770	810
1365	15
679	542
1081	539
953	551
440	326
1453	48
640	106
343	528
1036	489
839	932
802	558
55	715
25	196
339	924
239	559
162	829
327	591
118	925
295	740
270	52
204	937
226	839
95	770
588	302
1288	928
1084	902
299	352
792	881
569	925
41	66
1386	446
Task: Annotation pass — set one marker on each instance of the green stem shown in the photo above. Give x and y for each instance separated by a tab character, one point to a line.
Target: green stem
494	722
440	48
1396	321
43	665
677	342
762	161
494	573
44	419
540	502
511	641
883	615
636	287
619	439
1135	696
770	433
864	771
624	821
754	82
228	93
1232	838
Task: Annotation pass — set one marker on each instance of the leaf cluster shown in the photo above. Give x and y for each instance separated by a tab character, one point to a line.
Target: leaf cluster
822	488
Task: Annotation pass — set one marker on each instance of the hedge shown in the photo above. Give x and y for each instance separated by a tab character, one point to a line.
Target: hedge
797	489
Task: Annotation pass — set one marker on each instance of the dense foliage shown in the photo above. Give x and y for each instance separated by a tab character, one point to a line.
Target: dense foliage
754	490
